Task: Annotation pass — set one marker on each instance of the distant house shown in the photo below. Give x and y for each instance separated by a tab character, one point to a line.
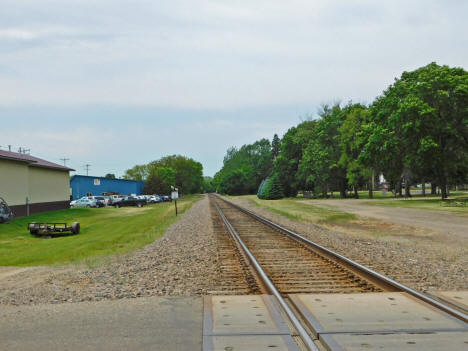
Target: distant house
87	185
30	184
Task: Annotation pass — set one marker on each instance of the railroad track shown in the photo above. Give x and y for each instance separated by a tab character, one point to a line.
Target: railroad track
281	262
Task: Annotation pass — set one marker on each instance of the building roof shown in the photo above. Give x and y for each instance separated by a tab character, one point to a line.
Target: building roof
31	160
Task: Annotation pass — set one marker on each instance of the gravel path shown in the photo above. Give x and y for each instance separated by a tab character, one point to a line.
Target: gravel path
421	264
446	226
184	262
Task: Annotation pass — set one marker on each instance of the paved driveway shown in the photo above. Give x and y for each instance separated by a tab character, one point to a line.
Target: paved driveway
153	323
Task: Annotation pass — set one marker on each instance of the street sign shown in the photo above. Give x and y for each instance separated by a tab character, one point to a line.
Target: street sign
175	196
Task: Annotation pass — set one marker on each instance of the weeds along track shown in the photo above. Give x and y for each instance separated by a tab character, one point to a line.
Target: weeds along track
292	266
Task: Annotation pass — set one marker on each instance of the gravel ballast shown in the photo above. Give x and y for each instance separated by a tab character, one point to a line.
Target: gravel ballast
415	262
183	262
187	262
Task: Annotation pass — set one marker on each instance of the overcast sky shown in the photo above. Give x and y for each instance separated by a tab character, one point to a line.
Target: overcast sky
118	83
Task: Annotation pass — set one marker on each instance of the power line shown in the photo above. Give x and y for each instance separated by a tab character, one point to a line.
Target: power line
64	161
87	166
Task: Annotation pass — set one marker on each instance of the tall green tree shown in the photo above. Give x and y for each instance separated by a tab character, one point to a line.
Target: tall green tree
320	167
188	173
352	141
252	162
275	146
138	172
160	181
207	185
421	123
291	153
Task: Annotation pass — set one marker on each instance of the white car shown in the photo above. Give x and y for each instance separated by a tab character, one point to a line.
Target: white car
116	198
154	199
83	202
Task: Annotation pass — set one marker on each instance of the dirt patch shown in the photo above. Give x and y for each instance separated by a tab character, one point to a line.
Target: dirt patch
128	211
12	278
371	228
444	227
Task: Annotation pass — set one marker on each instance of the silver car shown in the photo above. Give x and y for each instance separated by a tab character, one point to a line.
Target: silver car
84	202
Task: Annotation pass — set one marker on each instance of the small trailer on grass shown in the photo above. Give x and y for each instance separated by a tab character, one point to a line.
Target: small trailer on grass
6	214
53	229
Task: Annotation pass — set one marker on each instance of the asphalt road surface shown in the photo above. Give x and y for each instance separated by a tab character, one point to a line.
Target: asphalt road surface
154	323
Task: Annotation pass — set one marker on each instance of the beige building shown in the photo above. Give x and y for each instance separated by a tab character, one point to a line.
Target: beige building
30	184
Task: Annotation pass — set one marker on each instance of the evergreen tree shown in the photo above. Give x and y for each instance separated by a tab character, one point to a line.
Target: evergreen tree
275	190
261	189
270	188
275	146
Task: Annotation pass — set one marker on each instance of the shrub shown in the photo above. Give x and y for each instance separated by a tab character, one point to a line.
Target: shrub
270	189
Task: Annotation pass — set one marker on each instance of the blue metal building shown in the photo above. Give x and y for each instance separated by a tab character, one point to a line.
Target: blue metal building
82	185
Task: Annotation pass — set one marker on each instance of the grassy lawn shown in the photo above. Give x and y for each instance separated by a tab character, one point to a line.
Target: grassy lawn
104	231
362	195
426	204
378	195
296	210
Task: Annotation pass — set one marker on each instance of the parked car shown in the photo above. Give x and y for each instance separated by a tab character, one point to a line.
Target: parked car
101	201
116	198
130	201
158	198
143	197
154	199
84	202
108	200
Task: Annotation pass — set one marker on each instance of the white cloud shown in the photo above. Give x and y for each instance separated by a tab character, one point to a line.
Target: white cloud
16	34
219	54
230	58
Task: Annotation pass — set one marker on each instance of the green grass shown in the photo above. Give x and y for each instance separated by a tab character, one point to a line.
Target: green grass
427	204
104	231
362	195
378	195
296	210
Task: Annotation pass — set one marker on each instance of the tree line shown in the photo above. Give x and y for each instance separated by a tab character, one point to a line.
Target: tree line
184	173
416	132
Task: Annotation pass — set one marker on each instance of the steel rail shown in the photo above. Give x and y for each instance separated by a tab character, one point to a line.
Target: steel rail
444	307
270	286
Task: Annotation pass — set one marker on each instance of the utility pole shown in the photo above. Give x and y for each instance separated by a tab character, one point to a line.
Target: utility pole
87	168
23	151
64	161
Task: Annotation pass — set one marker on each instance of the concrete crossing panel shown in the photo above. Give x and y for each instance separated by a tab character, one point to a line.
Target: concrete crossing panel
249	343
239	315
371	312
436	341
